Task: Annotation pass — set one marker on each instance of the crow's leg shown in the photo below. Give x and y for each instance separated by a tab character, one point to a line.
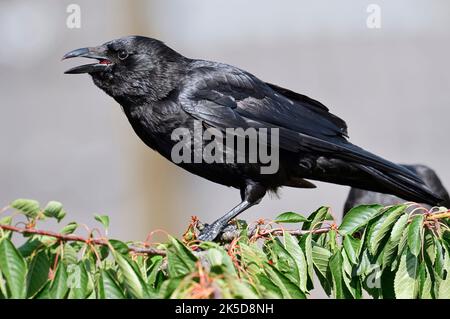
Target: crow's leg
251	195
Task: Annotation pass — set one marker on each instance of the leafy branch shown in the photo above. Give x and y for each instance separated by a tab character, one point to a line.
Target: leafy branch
389	252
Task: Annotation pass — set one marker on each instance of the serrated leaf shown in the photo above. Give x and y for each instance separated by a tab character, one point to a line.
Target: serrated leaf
444	287
293	248
14	269
180	260
425	283
316	218
37	275
70	228
290	217
267	287
58	287
30	246
384	225
78	281
439	263
349	248
288	289
241	290
321	257
108	288
7	220
308	255
214	256
103	219
406	282
29	207
398	228
70	255
335	263
389	253
132	280
119	246
54	210
358	217
153	271
414	234
429	245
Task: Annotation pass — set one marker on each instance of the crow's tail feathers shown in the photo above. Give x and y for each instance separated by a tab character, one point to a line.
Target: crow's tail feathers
393	182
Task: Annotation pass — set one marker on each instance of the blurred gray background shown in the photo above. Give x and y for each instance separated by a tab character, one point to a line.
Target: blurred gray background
62	138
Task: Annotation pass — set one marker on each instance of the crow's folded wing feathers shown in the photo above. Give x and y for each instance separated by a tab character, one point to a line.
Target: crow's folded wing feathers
227	97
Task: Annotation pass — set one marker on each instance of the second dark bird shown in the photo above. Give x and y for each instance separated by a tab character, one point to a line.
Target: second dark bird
161	90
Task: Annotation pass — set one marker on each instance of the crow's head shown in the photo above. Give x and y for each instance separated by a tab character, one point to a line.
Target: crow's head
132	67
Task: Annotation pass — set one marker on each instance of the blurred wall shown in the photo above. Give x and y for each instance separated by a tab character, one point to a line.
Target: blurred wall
62	138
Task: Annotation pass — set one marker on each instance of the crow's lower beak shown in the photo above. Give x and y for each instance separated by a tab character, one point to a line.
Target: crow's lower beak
92	53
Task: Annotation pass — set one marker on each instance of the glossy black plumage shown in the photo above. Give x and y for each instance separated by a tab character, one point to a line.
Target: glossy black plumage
358	197
160	90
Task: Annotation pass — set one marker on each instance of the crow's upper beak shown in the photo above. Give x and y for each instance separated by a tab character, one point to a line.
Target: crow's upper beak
92	53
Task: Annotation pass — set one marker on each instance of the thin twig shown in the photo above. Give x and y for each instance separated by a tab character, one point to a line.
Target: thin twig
68	238
439	215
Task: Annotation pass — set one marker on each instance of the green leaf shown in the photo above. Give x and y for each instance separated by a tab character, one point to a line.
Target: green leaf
70	255
383	227
103	219
414	234
155	268
37	275
316	218
7	220
293	248
30	246
391	249
288	289
269	289
70	228
336	274
358	217
29	207
309	260
398	228
426	284
406	282
350	249
78	281
180	260
54	210
389	253
439	263
290	217
241	289
214	256
119	246
430	247
444	287
132	279
58	288
108	288
321	257
14	269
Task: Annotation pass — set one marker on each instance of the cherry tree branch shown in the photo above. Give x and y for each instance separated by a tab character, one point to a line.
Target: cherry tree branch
71	237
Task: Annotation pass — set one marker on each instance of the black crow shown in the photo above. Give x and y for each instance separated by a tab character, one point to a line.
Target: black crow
160	90
358	196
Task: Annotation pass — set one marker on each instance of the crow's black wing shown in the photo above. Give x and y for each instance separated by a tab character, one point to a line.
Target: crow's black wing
313	105
226	97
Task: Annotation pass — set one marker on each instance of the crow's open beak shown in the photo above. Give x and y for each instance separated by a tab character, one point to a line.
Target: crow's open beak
92	53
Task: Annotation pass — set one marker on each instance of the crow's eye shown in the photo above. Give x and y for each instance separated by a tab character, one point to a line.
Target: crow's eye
123	54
